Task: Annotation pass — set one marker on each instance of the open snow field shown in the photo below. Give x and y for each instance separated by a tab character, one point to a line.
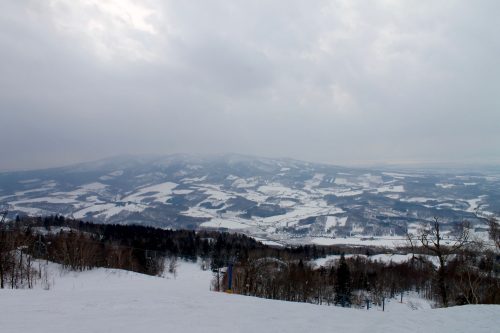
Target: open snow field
118	301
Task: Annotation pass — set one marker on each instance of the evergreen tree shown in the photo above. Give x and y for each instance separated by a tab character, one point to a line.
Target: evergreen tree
342	284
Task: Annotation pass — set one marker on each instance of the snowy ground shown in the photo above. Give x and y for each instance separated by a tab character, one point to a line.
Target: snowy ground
118	301
383	257
387	241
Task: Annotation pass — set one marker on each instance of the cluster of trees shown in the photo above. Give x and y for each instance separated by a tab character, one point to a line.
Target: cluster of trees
462	262
79	245
337	284
17	269
219	248
465	272
470	278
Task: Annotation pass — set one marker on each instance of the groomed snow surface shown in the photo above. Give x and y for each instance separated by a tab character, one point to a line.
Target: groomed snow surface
118	301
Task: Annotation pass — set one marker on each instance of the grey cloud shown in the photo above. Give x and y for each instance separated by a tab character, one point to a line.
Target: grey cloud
333	81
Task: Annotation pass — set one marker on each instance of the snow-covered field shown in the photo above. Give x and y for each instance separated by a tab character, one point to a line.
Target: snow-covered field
118	301
383	257
387	241
282	201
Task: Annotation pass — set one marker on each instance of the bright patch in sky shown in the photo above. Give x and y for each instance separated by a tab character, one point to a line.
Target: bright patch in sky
112	28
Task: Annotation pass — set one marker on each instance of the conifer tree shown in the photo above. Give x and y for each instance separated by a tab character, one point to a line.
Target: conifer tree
342	284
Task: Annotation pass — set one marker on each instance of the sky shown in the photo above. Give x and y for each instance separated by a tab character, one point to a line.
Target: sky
344	82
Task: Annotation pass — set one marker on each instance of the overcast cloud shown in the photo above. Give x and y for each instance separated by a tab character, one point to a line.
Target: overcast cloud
343	82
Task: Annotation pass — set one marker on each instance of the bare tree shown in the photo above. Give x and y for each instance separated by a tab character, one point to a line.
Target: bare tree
469	280
431	237
172	266
494	231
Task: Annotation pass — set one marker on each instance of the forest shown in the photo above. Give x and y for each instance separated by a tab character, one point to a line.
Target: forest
465	274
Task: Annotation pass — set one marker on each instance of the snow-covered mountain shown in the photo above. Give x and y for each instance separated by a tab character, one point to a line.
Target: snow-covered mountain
275	199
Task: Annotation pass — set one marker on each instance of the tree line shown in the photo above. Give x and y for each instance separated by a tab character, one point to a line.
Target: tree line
464	271
465	274
79	245
470	278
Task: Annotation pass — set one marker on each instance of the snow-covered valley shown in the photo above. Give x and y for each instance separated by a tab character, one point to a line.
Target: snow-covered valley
276	200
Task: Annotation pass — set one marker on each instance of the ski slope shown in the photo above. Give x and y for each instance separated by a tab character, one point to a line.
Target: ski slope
118	301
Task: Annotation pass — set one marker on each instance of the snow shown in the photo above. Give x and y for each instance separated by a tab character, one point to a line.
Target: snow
395	258
109	209
384	257
334	221
216	195
112	175
21	193
474	204
341	181
278	190
28	181
268	242
348	193
92	209
399	175
272	243
61	198
194	167
5	196
315	181
255	196
182	192
386	241
389	188
29	210
244	183
53	230
372	178
301	211
223	223
328	260
445	185
287	203
197	212
93	199
418	199
128	207
108	300
52	200
93	187
116	173
194	179
160	192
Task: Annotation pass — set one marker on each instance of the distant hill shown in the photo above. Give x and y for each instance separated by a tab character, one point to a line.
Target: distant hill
279	200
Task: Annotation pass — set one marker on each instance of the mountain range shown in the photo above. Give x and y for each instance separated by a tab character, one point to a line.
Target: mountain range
275	200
